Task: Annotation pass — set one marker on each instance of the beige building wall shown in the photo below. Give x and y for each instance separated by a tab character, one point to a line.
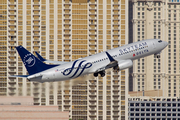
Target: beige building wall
32	115
21	107
150	93
23	100
65	30
157	19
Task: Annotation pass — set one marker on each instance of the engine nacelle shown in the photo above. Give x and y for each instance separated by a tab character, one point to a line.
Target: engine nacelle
125	64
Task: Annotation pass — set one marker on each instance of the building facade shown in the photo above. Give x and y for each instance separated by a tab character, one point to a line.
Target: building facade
65	30
160	108
21	108
157	19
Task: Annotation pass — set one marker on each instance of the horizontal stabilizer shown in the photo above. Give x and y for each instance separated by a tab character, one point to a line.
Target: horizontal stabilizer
22	76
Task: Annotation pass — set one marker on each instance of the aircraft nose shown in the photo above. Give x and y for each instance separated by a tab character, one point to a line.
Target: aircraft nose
165	43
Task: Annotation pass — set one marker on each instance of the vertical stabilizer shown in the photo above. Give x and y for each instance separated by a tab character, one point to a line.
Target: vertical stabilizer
32	64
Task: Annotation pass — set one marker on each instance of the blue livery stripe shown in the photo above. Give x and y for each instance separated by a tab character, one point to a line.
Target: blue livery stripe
68	71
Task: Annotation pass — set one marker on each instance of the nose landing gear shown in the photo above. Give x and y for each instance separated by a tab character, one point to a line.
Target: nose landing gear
157	55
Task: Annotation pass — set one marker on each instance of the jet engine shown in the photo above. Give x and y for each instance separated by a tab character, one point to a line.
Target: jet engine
125	64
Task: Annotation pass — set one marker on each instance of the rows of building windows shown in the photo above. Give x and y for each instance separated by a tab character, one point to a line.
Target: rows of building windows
164	109
157	82
157	30
173	0
140	62
20	42
98	19
36	32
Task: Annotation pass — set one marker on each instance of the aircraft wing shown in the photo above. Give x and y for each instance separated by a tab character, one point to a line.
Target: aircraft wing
116	65
49	61
113	63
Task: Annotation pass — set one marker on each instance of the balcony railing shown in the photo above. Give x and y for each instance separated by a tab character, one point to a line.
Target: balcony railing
36	3
12	13
12	8
12	23
36	18
12	3
36	29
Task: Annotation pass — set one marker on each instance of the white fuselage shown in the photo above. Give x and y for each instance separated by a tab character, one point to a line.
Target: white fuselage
92	63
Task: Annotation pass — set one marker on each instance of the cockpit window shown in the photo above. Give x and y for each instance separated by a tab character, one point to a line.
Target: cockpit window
160	41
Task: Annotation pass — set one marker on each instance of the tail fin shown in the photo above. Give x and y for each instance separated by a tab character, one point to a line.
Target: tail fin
32	64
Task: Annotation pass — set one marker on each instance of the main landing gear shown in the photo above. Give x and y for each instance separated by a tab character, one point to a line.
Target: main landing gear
116	68
102	73
95	74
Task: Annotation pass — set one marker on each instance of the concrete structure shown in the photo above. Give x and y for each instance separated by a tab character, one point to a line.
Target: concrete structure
21	108
161	108
157	19
19	100
33	115
65	30
149	93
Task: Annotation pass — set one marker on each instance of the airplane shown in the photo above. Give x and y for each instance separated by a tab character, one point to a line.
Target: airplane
118	58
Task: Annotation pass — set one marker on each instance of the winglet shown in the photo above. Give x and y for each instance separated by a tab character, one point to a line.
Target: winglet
112	63
110	57
40	57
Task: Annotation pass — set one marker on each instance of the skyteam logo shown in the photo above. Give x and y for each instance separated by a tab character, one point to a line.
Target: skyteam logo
29	60
78	67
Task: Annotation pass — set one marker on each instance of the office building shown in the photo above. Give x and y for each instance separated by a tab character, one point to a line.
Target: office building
65	30
157	19
160	108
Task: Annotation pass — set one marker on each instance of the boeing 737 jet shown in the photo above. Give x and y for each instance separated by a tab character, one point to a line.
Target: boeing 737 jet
118	58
